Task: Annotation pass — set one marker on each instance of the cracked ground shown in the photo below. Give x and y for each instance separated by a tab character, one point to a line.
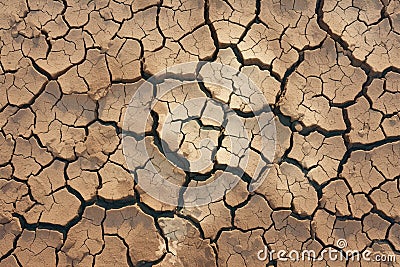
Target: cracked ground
330	71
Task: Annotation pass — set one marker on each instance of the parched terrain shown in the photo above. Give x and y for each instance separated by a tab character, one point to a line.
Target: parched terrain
329	70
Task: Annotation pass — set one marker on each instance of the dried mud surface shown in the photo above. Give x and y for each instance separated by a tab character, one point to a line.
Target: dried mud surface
330	71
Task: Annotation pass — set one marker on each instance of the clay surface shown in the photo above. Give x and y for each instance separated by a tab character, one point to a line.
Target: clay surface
329	69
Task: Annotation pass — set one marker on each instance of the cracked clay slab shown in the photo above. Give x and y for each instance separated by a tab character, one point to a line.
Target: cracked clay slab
279	132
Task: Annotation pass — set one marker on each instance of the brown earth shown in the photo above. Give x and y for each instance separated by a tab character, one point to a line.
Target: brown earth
330	70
